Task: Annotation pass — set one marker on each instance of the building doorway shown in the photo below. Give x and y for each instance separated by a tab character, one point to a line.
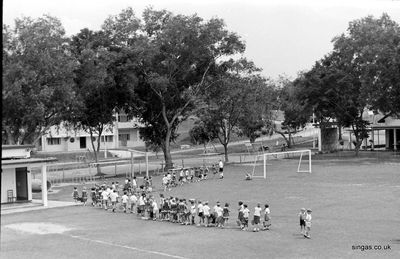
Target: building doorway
21	180
82	142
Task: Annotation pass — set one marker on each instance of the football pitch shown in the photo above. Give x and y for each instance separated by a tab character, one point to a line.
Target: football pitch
355	206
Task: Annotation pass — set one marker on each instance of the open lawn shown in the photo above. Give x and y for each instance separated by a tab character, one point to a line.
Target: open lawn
354	202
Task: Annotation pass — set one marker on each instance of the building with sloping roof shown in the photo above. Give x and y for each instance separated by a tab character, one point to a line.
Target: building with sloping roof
16	179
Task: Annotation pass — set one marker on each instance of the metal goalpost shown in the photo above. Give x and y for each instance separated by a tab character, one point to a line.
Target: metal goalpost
282	155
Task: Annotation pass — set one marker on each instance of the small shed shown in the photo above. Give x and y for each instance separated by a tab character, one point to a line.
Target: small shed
16	179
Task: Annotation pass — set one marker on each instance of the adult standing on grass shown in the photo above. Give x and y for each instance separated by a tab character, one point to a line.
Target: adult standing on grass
221	169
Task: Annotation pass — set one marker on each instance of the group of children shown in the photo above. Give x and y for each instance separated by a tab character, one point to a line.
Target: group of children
140	201
305	222
189	175
244	213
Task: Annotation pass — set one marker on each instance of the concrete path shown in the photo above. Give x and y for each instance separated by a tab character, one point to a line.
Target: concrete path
34	205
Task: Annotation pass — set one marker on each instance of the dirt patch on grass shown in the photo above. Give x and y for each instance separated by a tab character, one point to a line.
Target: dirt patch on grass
39	228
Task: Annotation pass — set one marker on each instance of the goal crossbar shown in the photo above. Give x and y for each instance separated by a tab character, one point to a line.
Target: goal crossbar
277	154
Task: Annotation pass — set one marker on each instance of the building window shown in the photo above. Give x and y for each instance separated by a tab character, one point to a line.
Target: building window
108	138
124	118
53	141
124	137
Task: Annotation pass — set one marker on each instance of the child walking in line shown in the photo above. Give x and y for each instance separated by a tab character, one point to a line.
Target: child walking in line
246	215
75	195
267	218
154	205
256	218
132	202
93	196
124	200
225	215
218	211
104	201
302	217
206	211
192	211
240	215
134	184
200	213
308	224
165	210
114	200
84	196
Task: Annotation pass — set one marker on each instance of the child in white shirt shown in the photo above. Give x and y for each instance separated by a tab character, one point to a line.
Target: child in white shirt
104	195
308	224
114	199
155	209
133	201
246	214
200	212
256	218
206	211
219	212
192	212
124	200
267	218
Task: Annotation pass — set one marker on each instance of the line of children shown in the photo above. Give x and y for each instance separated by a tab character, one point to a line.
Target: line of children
180	211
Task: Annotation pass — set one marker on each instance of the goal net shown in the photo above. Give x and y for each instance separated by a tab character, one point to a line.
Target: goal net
265	160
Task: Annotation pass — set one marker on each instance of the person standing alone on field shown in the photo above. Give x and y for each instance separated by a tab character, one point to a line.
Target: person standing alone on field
221	169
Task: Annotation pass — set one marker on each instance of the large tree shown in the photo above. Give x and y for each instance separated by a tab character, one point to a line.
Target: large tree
99	93
229	100
371	47
37	78
332	88
255	121
172	56
296	113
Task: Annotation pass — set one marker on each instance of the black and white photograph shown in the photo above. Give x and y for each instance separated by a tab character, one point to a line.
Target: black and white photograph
188	129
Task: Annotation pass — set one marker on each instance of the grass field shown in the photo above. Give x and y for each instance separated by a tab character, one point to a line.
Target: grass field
355	202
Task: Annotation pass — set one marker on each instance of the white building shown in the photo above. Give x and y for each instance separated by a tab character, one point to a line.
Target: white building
123	134
16	179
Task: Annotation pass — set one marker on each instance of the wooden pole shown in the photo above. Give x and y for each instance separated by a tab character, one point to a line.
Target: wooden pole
44	186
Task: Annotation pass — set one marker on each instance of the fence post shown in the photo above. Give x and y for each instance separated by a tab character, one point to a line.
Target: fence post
115	168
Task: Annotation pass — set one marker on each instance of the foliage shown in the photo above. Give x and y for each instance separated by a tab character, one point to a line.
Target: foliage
202	133
296	113
37	78
99	94
254	123
230	99
175	54
372	48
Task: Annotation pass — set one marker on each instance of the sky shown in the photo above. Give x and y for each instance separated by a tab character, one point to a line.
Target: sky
283	37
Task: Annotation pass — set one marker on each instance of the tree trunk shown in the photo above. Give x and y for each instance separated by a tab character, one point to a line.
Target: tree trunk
289	141
284	137
167	150
357	146
226	152
95	152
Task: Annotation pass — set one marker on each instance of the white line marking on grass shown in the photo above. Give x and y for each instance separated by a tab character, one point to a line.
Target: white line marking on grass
128	247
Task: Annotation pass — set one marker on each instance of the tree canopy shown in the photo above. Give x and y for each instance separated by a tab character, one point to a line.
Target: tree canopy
174	56
37	78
